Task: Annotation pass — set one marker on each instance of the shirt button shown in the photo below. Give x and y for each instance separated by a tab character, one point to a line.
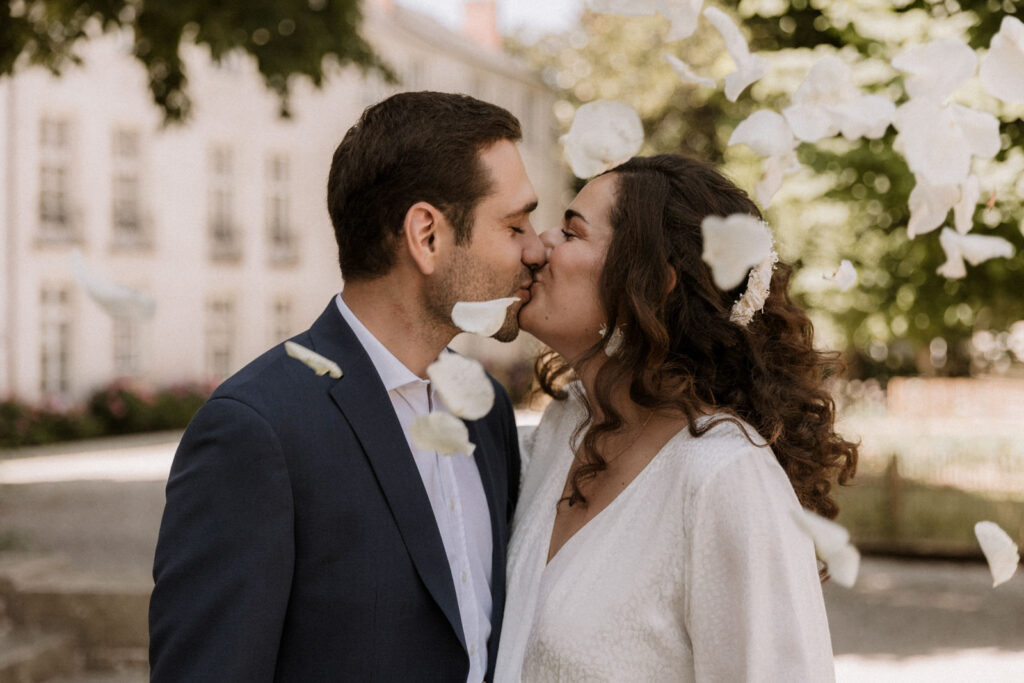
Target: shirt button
464	577
472	650
451	504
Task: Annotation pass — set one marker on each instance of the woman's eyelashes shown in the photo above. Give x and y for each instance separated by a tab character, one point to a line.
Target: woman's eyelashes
567	235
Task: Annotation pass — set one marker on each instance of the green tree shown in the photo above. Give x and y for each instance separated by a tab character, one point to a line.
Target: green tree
287	38
850	199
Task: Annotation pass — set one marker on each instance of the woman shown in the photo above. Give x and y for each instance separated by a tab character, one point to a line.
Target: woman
655	537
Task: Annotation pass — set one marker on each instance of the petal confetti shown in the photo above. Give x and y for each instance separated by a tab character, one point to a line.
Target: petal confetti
929	206
117	300
936	69
1002	69
972	248
484	318
603	135
441	432
963	211
317	363
964	133
832	543
1000	551
686	73
463	385
749	67
732	246
845	276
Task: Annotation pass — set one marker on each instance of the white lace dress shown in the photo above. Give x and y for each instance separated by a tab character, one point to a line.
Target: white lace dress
695	572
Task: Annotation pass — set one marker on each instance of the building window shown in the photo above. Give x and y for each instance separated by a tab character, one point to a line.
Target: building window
55	219
55	342
126	190
280	320
127	348
225	242
220	337
283	244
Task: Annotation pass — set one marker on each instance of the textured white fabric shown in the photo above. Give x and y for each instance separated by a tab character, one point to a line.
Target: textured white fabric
695	572
455	491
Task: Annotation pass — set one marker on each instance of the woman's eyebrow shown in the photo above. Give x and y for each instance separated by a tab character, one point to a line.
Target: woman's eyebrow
572	213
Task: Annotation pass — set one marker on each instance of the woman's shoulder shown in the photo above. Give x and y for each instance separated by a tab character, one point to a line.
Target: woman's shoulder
724	442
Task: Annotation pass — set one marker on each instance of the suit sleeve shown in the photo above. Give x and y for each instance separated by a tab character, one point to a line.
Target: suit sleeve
224	556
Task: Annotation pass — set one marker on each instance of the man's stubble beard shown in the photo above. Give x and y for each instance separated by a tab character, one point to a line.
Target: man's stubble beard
466	280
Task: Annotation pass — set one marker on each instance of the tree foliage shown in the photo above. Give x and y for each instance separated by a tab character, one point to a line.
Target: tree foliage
287	38
850	199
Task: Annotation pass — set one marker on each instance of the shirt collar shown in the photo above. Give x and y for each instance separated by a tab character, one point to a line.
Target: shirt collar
393	372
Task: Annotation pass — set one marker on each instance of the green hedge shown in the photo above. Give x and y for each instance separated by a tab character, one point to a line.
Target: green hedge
119	408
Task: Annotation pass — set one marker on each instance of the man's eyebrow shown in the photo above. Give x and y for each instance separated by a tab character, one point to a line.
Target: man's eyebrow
572	213
527	208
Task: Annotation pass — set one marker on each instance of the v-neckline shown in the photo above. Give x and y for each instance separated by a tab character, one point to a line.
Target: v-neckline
611	504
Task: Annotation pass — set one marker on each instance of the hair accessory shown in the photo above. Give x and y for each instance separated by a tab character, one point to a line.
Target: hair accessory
758	287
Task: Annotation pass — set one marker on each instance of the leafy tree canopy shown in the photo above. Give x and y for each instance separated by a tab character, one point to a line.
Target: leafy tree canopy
287	38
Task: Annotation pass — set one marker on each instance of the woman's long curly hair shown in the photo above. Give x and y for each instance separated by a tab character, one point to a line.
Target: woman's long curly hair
680	352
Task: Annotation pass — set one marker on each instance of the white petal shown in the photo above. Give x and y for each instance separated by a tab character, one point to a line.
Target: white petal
867	116
750	70
809	122
603	135
732	246
963	211
975	249
828	81
979	129
749	67
843	566
117	300
686	73
626	8
936	69
484	318
683	15
766	132
933	142
1000	551
441	432
317	363
845	276
929	206
775	168
463	385
1002	69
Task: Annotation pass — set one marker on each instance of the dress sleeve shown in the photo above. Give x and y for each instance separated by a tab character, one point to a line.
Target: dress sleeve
753	609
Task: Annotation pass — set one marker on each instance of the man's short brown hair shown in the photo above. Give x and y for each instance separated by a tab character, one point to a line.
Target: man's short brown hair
412	147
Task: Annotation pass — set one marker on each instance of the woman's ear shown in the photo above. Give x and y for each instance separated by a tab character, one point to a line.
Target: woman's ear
421	229
672	280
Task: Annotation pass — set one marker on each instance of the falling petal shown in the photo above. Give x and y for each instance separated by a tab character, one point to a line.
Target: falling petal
867	116
683	15
626	8
732	246
845	276
686	73
980	130
828	83
775	168
832	544
484	318
117	300
603	135
939	142
1002	69
963	211
749	68
765	132
810	123
1000	551
317	363
974	249
936	69
929	206
463	385
441	432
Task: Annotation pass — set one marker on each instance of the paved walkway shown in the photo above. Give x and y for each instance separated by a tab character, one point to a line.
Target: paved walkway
100	503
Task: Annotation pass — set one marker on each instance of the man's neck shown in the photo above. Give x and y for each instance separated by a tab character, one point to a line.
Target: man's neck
398	322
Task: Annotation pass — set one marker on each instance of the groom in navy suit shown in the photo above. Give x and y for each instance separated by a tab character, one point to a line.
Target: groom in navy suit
305	538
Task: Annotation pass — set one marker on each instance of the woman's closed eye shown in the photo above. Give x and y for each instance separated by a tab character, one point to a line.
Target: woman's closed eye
568	235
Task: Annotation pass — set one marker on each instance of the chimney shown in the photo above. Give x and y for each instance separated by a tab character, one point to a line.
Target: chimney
482	24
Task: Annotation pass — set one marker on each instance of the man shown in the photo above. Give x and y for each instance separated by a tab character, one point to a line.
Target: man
304	537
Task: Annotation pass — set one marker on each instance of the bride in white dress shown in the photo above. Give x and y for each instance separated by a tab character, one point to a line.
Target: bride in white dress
655	539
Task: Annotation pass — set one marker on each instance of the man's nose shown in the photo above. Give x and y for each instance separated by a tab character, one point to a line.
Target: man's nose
534	251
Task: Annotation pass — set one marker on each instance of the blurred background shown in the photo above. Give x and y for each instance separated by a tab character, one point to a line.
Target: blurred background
162	196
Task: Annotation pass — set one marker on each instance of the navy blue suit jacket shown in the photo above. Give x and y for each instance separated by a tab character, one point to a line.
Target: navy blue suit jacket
298	542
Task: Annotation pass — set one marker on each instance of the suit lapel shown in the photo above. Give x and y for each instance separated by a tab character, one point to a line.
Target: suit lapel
361	397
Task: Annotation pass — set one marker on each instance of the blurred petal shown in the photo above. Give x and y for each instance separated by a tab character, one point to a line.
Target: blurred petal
463	385
845	276
936	69
979	129
810	122
626	8
313	360
117	300
844	565
867	116
1000	551
749	71
441	432
832	544
933	142
1002	69
766	132
974	249
963	210
683	15
686	73
749	68
775	168
732	246
603	135
482	317
929	206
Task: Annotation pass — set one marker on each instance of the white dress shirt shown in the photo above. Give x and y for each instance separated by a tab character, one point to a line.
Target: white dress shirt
455	491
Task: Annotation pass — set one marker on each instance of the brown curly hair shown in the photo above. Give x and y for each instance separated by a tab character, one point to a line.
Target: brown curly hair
680	352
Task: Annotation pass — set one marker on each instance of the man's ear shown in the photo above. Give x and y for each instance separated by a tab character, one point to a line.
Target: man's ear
423	229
